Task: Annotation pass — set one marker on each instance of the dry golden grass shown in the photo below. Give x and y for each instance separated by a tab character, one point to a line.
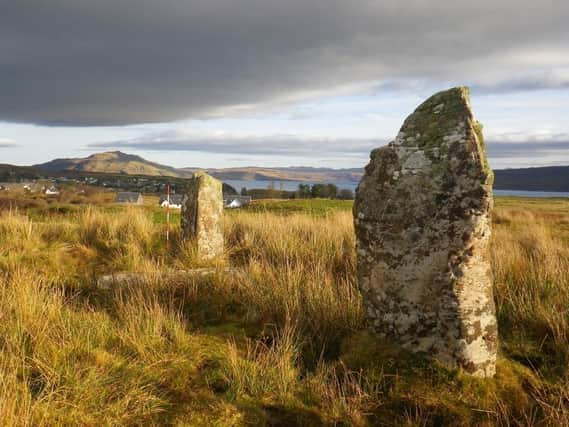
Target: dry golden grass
283	343
530	254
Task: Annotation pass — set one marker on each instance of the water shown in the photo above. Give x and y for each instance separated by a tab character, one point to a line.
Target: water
293	185
283	185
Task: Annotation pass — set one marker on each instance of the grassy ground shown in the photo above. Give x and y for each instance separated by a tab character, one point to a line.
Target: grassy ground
284	344
314	207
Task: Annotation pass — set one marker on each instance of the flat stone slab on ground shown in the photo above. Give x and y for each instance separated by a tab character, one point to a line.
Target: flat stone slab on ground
111	281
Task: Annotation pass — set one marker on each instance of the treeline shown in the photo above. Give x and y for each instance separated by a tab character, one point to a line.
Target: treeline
304	191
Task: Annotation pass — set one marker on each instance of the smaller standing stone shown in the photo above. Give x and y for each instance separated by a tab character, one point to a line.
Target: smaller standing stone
202	215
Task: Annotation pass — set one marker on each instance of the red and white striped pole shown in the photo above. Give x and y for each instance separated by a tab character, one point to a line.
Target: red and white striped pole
167	216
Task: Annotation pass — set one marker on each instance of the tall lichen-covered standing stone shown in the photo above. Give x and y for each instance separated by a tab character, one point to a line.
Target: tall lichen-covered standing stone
422	220
202	215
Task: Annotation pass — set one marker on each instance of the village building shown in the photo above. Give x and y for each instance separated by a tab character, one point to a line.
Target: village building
235	201
52	191
174	203
129	197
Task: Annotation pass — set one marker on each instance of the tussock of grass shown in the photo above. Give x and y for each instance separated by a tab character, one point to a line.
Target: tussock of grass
283	343
265	371
531	268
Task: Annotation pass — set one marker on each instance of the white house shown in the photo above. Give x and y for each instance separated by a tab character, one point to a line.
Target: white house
233	202
175	201
52	191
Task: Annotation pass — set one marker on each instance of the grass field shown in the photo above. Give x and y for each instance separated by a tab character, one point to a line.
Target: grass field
283	344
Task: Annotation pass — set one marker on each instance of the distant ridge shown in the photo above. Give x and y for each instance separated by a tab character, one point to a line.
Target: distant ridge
115	162
550	178
293	173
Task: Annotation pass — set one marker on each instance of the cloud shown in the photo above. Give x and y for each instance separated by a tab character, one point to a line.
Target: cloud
529	150
523	149
550	79
7	143
535	138
111	62
227	143
554	147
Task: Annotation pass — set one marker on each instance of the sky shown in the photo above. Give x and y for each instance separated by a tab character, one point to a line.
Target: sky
229	83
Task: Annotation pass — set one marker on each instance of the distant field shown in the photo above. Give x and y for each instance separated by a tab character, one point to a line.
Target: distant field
316	207
551	205
283	343
313	207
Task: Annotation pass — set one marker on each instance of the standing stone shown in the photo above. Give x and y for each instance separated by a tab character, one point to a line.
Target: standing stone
422	220
202	216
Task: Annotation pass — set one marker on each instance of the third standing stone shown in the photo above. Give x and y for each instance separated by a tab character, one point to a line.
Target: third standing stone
202	216
422	219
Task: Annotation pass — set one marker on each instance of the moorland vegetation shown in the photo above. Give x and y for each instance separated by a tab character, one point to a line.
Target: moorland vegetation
284	343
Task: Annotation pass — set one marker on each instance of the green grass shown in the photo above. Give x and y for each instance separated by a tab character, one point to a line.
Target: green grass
546	205
314	207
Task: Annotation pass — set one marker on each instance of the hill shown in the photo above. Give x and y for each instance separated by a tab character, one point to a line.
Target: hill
113	162
117	162
551	178
293	173
9	173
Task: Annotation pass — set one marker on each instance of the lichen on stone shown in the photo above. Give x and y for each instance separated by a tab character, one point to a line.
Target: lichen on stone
202	216
422	225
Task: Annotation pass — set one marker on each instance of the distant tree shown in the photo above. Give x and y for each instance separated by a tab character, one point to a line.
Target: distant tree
324	191
318	191
244	191
303	191
345	194
331	191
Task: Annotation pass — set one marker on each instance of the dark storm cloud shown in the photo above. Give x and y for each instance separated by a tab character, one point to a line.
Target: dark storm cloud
130	61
